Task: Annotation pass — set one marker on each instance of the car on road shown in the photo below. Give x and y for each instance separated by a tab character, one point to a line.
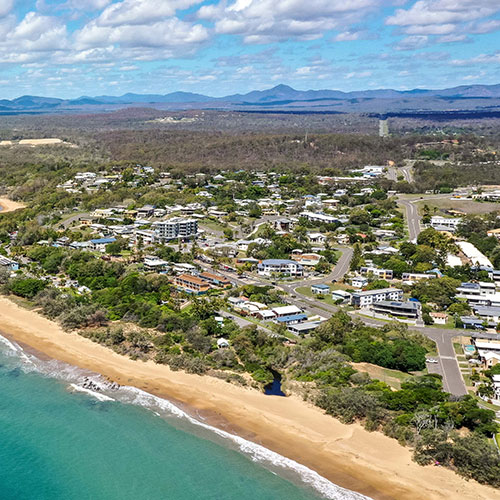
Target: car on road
431	360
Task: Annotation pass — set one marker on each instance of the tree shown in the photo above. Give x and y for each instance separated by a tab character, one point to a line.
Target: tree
475	458
433	446
357	257
116	247
26	287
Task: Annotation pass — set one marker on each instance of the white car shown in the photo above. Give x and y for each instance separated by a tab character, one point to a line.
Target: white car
431	360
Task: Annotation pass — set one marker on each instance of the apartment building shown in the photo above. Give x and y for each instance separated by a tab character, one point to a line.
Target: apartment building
191	284
177	227
216	279
445	223
280	266
383	274
394	308
366	298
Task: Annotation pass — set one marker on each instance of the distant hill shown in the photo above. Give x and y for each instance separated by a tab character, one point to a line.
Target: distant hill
280	98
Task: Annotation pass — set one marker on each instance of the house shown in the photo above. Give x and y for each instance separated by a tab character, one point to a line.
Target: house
291	319
490	314
286	311
222	343
307	259
445	223
479	294
395	308
191	284
184	267
341	295
439	318
317	238
146	211
364	299
280	266
320	289
9	264
282	225
359	281
319	217
416	276
216	279
237	302
476	257
100	244
153	263
303	328
383	274
266	314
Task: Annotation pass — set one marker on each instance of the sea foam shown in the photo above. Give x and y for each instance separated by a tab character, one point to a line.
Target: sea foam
76	377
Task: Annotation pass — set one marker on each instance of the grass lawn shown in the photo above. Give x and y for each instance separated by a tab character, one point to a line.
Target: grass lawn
458	348
394	378
466	206
306	290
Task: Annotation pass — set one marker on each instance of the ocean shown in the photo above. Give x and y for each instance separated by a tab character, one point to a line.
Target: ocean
68	434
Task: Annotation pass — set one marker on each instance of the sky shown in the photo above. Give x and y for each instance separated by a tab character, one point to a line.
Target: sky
71	48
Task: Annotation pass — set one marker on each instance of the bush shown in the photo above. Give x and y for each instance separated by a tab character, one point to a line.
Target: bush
26	287
349	404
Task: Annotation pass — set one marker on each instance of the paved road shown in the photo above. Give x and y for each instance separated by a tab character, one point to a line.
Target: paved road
412	219
74	218
448	365
407	173
392	174
242	322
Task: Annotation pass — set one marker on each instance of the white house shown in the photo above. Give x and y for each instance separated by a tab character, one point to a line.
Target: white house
269	267
364	299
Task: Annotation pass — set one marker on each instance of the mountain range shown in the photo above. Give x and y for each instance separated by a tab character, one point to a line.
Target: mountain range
279	98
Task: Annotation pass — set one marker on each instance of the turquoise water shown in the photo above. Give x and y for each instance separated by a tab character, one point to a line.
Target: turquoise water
57	443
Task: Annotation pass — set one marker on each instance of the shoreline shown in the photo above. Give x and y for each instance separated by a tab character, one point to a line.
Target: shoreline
7	205
347	455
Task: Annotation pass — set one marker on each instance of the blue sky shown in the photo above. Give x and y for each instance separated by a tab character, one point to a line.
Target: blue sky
69	48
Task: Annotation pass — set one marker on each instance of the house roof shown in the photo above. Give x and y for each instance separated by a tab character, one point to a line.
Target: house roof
291	317
286	310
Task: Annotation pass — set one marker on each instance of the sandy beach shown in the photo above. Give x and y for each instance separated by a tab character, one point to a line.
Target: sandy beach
7	205
346	454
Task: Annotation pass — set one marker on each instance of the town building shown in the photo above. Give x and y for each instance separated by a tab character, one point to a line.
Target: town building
445	223
216	279
191	284
269	267
9	264
395	308
359	281
439	318
175	228
383	274
286	311
320	289
365	299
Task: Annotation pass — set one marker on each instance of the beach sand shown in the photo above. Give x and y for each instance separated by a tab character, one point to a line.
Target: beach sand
7	205
349	456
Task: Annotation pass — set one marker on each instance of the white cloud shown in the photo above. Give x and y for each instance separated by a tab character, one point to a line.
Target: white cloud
6	7
412	42
445	21
480	59
427	12
140	12
264	21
